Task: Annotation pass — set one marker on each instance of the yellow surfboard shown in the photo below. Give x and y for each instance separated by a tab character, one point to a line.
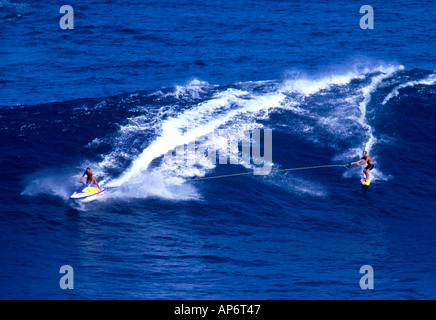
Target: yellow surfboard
365	183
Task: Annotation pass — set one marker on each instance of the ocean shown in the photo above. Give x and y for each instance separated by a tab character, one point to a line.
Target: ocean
135	83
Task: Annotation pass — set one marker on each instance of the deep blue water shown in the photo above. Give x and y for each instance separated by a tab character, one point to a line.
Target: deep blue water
134	80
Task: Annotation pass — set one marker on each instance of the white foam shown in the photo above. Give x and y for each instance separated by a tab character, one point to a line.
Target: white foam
374	175
231	106
192	89
154	184
307	85
56	182
429	80
366	93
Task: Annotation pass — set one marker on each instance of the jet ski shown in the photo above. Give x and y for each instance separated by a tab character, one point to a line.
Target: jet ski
89	191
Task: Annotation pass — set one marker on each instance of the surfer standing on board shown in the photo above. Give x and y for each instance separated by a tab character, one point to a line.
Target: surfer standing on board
89	177
366	159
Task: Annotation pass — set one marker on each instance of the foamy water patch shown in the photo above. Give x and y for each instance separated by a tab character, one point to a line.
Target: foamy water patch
374	175
308	85
155	185
235	108
191	90
428	81
56	182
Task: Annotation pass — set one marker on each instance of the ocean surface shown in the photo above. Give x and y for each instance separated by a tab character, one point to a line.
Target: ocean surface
137	81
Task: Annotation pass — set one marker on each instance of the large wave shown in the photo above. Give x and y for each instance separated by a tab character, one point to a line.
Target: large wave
331	112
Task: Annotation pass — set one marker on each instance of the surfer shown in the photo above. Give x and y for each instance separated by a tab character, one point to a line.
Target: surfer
89	177
370	165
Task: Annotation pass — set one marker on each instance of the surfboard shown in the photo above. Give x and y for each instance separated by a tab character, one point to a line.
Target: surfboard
88	192
365	183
